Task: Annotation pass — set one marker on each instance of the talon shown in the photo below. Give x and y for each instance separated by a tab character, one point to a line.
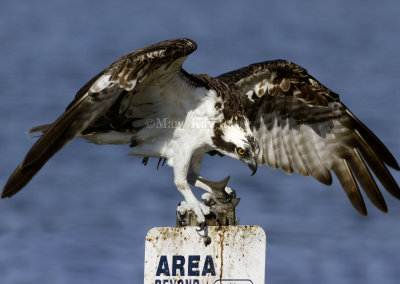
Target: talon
208	199
231	195
215	212
203	227
183	221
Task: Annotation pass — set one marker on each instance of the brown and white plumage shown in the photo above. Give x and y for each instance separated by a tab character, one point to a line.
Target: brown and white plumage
301	126
98	105
271	113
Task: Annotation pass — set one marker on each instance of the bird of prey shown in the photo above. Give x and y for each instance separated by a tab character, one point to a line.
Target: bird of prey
269	113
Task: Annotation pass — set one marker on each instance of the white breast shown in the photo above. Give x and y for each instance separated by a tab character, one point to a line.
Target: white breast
185	117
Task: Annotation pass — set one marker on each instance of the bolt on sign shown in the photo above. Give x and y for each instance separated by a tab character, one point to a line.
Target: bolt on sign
236	255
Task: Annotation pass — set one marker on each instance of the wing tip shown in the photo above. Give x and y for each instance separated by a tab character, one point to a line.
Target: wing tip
18	179
9	190
5	194
390	161
363	213
394	191
359	205
395	166
381	206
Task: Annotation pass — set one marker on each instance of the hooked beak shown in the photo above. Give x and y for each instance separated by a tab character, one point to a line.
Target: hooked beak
253	167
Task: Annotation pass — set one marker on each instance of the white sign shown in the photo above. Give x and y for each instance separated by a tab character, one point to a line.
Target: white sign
236	255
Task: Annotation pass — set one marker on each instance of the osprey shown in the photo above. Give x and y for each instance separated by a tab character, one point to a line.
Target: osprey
271	113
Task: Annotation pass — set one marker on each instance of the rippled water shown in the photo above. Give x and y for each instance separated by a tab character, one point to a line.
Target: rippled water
85	215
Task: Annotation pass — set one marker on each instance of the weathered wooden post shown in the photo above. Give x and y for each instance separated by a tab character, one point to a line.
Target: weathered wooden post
222	253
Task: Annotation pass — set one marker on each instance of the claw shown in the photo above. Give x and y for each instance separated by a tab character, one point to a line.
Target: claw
231	197
203	227
215	212
231	194
208	199
183	221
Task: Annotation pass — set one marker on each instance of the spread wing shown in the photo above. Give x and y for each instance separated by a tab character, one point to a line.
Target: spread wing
129	74
302	126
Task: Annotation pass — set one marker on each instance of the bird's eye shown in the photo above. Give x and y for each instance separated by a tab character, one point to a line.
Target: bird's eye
240	151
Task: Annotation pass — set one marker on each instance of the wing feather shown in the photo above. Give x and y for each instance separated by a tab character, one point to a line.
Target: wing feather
288	164
378	167
65	128
97	99
269	153
311	132
366	180
319	170
342	171
300	164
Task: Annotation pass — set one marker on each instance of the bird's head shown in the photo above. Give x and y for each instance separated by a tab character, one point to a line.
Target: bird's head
234	138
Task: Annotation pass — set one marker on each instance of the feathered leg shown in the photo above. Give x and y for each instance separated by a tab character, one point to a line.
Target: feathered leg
181	167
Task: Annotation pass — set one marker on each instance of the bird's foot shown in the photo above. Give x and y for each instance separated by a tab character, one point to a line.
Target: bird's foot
218	207
222	201
185	216
228	196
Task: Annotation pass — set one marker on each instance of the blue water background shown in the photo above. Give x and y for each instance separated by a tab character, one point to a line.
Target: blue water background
84	217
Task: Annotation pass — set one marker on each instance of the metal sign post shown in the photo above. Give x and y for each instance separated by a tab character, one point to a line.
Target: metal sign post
225	254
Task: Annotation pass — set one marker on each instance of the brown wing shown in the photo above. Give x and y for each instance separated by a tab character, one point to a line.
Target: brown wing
302	126
95	99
